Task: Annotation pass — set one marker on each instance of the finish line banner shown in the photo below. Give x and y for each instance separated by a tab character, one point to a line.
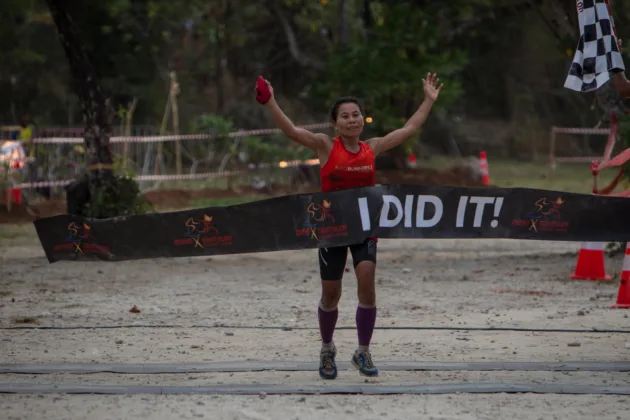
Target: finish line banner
340	218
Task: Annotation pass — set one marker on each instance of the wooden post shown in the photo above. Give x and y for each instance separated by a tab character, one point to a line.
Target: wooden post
160	146
175	109
128	118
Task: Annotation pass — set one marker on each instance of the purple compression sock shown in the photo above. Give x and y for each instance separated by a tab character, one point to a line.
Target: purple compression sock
366	319
327	323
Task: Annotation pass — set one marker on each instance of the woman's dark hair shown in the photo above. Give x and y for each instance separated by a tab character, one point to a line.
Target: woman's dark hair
334	112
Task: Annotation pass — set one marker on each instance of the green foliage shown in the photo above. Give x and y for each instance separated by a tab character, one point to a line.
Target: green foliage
486	51
217	147
250	149
209	123
387	69
115	197
130	43
273	149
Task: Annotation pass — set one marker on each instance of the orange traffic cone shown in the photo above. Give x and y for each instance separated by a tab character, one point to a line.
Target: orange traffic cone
412	160
483	167
623	296
590	262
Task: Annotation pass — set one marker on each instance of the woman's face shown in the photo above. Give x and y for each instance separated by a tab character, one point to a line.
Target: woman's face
349	122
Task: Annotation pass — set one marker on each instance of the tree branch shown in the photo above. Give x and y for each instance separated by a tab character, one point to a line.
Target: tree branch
511	10
294	49
550	26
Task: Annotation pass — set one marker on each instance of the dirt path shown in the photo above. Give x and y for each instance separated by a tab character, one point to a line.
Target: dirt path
207	306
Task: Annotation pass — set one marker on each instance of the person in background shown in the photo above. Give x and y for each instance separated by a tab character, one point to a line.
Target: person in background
25	135
36	161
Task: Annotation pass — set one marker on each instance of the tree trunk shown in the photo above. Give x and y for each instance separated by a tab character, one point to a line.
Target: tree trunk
96	120
98	193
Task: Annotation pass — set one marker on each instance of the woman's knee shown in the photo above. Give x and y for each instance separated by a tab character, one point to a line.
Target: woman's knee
331	293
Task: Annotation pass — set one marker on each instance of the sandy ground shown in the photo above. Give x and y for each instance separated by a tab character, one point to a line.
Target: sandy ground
434	407
208	306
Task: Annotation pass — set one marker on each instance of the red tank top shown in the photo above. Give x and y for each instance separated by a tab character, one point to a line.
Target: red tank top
345	170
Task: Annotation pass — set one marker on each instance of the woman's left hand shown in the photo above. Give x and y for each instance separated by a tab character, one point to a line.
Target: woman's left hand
431	86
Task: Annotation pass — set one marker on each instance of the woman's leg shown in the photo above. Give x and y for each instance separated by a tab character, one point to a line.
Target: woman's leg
332	262
364	258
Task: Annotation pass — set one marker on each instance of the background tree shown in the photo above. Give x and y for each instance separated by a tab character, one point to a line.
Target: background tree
99	193
503	62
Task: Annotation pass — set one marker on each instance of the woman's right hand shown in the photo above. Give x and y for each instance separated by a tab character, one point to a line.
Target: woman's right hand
269	87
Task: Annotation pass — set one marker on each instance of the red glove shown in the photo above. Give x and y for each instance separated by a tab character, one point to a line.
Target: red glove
262	91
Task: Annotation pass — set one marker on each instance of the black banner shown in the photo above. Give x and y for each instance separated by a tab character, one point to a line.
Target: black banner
340	218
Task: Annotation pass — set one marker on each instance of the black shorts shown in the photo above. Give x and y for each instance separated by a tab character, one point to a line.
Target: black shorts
332	261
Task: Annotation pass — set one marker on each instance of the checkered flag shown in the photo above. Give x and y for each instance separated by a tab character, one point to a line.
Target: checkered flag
597	53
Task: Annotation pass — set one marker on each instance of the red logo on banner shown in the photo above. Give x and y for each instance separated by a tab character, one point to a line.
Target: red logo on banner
202	233
81	240
544	217
580	6
320	222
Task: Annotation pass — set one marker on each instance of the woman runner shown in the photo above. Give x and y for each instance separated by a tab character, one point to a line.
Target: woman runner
347	162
